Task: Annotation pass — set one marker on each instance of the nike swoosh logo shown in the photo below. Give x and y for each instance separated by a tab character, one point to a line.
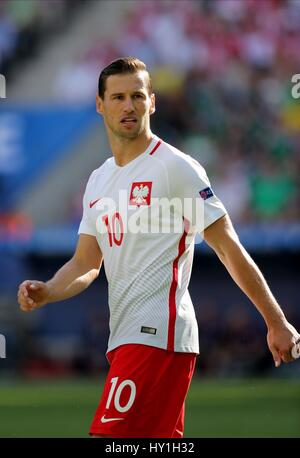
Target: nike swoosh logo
92	203
106	420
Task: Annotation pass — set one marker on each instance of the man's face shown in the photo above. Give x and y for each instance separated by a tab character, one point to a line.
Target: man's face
127	105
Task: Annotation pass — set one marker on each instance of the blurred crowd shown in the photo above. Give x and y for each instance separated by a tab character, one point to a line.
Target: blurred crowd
25	24
222	74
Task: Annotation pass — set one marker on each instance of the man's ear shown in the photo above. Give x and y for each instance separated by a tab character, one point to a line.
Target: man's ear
99	105
152	105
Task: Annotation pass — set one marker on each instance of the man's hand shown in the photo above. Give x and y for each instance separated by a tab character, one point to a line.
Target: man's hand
71	279
32	295
281	338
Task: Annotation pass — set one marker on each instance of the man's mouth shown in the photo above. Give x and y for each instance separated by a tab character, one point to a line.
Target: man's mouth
128	120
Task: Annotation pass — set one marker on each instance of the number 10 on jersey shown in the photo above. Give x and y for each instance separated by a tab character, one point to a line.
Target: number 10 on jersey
115	228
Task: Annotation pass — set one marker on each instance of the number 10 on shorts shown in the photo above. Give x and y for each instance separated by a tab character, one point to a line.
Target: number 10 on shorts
116	394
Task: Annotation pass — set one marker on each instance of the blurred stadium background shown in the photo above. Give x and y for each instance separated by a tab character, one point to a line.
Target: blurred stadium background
222	74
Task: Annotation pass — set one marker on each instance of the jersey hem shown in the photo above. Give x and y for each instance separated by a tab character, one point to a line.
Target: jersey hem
182	349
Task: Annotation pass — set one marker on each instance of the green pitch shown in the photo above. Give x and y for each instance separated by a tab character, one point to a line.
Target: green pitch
215	408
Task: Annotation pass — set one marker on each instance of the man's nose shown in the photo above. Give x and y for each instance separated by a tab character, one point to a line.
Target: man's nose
128	105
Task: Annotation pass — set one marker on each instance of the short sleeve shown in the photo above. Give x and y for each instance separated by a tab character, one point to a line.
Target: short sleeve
200	204
86	225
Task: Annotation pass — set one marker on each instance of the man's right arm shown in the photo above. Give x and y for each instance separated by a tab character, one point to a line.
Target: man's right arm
71	279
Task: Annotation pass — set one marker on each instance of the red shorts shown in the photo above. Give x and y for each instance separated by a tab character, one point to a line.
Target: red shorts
144	393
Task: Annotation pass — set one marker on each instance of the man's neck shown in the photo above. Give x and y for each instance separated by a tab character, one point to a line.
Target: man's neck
125	150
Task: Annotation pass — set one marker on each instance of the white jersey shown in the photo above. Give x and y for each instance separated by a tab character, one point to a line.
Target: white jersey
148	270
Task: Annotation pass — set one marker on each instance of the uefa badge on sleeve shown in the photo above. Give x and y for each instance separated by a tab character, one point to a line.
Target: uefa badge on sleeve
206	193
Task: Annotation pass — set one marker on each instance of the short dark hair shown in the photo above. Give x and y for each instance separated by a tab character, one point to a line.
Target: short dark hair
122	65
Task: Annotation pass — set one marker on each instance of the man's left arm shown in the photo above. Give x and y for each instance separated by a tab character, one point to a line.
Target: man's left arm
282	336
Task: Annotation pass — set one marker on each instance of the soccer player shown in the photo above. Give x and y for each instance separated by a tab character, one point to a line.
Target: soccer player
153	341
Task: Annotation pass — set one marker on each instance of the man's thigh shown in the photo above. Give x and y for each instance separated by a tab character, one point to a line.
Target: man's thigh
144	393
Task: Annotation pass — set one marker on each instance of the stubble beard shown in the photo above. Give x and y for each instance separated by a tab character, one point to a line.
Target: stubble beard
131	135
